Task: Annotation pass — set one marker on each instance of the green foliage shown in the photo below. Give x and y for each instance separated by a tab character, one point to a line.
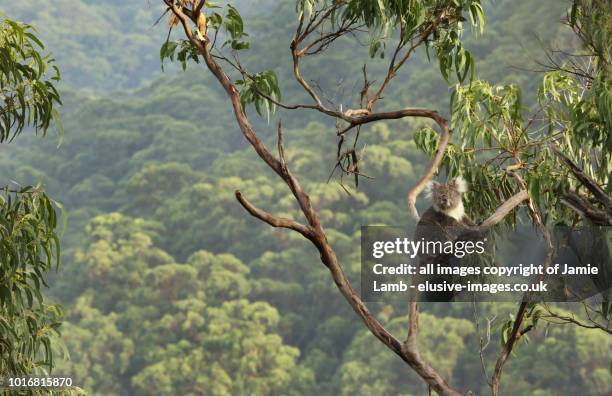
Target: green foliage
234	26
29	244
185	52
258	90
174	328
438	23
108	351
230	25
591	20
501	149
495	133
488	122
101	47
29	96
261	89
567	344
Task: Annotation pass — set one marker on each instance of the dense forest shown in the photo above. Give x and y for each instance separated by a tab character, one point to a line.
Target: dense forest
169	287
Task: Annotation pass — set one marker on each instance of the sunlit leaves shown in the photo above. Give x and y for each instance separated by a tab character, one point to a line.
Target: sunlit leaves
578	99
162	319
477	16
94	341
28	96
230	24
490	140
306	6
427	139
496	140
586	113
582	115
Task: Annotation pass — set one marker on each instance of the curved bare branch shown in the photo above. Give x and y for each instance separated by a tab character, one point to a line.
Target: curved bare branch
273	220
504	209
414	192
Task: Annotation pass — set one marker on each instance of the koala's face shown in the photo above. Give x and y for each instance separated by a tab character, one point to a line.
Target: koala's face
446	196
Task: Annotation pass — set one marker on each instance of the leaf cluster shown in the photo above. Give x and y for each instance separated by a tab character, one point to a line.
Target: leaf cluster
29	248
28	95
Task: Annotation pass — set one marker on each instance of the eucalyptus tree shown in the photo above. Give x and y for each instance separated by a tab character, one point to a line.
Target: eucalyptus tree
29	241
525	162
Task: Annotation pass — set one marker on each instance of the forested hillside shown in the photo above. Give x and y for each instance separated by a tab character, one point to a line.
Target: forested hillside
170	287
103	46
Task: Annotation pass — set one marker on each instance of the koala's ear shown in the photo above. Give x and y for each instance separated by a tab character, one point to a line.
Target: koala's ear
460	184
429	188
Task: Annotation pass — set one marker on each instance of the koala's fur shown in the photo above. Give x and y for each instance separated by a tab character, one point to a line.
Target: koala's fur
445	220
447	198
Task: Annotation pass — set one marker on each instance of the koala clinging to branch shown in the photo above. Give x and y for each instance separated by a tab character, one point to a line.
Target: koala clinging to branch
445	221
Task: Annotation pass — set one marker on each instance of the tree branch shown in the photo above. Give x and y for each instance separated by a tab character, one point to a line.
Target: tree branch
504	209
198	8
414	192
571	319
593	187
394	67
273	220
580	205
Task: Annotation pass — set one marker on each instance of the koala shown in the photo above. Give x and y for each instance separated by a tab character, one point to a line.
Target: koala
448	198
444	221
446	204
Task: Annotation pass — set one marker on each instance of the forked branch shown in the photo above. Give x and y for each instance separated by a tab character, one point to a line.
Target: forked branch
273	220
